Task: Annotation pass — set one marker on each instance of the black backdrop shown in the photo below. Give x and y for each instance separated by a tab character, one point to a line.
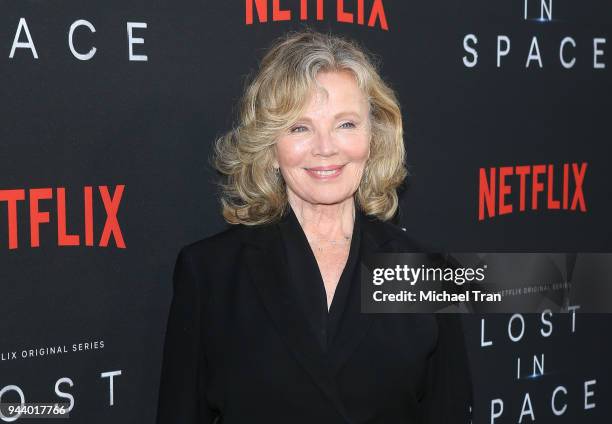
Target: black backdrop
141	131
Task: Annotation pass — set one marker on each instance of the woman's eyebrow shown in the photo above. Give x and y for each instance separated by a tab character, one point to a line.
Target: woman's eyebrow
336	116
347	113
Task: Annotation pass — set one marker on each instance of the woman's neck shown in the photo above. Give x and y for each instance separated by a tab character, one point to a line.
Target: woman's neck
324	222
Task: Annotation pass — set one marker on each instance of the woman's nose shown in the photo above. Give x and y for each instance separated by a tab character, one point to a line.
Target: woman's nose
324	143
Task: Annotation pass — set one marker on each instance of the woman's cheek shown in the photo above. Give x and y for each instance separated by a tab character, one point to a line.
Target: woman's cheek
292	152
357	146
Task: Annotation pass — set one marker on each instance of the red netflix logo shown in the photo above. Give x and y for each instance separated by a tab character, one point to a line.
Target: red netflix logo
498	184
355	12
38	217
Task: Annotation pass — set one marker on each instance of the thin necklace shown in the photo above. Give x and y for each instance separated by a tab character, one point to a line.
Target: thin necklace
334	243
343	240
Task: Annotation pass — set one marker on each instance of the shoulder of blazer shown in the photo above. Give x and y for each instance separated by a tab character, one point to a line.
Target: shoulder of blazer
224	244
390	237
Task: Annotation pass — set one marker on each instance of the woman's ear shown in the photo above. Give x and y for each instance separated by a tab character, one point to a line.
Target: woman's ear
275	163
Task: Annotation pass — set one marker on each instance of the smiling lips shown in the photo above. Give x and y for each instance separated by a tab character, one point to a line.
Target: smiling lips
325	172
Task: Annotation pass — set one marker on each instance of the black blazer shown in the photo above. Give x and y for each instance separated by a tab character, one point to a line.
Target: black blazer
238	348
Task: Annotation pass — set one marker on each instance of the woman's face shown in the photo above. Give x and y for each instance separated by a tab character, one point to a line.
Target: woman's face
323	155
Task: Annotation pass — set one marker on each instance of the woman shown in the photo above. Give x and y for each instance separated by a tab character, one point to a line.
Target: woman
265	323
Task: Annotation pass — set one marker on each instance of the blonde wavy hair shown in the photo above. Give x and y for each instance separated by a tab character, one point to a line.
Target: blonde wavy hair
252	192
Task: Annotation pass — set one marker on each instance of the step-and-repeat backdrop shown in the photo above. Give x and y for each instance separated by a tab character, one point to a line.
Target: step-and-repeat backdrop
108	113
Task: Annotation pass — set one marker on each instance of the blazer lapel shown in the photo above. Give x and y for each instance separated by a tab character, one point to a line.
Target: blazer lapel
266	263
354	324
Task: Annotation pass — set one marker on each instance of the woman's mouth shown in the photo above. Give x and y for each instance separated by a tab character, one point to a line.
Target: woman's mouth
325	172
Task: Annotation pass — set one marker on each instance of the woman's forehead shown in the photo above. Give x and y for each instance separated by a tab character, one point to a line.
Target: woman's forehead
338	93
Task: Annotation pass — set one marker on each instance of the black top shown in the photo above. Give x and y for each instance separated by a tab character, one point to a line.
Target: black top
306	281
239	348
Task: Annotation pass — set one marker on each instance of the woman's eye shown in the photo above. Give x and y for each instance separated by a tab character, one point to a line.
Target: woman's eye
298	128
350	125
